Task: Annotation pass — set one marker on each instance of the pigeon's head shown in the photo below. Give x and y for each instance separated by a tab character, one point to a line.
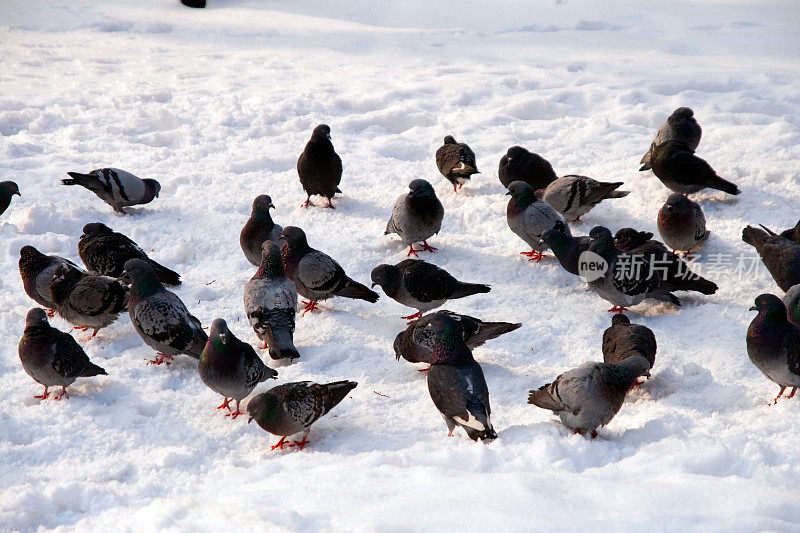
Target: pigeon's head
322	131
96	228
9	188
619	319
515	152
556	238
294	237
683	112
141	276
271	262
264	408
35	317
522	193
219	333
628	238
450	140
677	203
65	271
386	276
421	189
153	186
262	204
600	233
770	305
448	334
28	254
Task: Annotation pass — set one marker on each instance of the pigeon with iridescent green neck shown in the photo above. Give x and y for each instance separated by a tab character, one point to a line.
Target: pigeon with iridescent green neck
231	367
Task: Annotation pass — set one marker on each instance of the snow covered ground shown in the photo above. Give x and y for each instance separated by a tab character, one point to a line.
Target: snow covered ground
217	104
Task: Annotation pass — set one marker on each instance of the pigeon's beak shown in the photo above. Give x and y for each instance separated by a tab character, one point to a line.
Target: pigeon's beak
271	206
373	285
508	193
753	308
17	193
250	419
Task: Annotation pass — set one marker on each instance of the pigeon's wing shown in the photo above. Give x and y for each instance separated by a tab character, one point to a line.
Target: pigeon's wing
255	369
164	318
319	272
631	274
98	295
689	169
397	212
304	402
539	217
447	157
700	222
460	393
70	359
428	283
466	155
793	348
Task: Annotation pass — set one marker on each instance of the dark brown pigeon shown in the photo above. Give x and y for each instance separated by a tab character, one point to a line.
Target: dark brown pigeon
456	162
319	166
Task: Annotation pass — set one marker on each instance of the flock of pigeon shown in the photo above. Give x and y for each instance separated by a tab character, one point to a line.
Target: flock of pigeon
632	266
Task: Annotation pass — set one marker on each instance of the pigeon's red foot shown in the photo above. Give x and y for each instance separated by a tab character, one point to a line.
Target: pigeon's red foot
794	389
226	404
413	317
93	334
265	346
81	328
450	433
456	188
160	359
424	369
427	247
234	414
330	205
307	203
617	309
50	312
412	251
300	443
44	395
310	307
533	255
775	401
62	394
280	444
594	433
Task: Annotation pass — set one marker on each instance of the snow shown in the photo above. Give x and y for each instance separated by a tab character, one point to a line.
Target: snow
216	104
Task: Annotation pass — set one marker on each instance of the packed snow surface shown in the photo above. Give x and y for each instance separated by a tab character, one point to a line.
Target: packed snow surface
217	104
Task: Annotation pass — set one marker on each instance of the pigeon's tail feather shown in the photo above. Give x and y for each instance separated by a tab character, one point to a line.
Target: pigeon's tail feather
78	179
283	345
92	369
354	289
767	229
491	330
754	237
663	294
699	284
337	392
724	185
486	434
468	289
165	275
545	397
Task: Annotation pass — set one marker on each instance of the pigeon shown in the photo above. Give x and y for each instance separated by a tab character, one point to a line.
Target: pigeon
52	357
315	274
681	223
319	166
116	187
588	397
773	344
416	343
291	408
456	162
416	216
780	255
680	126
566	248
623	340
670	267
521	165
7	190
573	196
231	367
675	164
105	251
529	217
628	278
160	317
36	271
270	301
792	302
421	285
86	300
793	234
456	383
259	228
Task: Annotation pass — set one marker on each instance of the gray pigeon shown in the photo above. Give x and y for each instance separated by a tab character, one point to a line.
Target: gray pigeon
573	196
105	252
588	397
231	367
680	126
290	409
623	340
675	164
792	302
87	301
529	217
456	162
319	166
773	344
52	357
116	187
780	255
681	223
628	278
521	165
565	247
270	301
421	285
36	271
315	274
456	383
160	317
416	344
259	228
7	190
416	216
